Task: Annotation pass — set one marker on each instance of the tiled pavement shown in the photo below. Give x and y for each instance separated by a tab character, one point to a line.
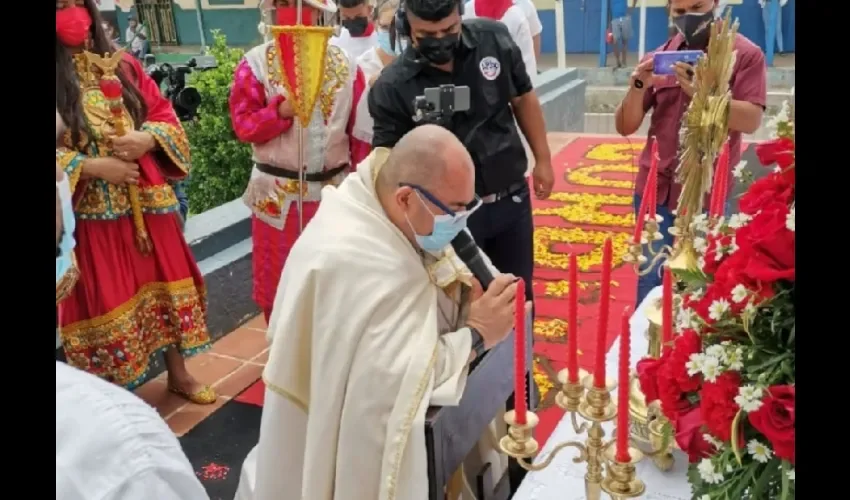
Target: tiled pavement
234	362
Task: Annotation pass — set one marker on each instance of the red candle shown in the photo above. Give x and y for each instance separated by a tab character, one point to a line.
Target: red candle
623	387
639	216
667	309
572	323
602	326
520	407
721	182
653	178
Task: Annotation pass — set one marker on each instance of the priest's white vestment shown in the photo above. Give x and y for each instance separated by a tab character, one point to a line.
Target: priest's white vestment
356	358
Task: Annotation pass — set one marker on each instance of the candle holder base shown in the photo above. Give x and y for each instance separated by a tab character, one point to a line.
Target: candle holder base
597	405
621	480
520	443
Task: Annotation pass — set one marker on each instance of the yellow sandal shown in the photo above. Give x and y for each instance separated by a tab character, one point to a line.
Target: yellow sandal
204	396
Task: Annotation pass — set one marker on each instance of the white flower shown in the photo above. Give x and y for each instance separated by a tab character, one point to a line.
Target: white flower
695	363
737	221
739	293
777	170
708	473
700	244
734	358
701	262
715	351
749	398
729	468
792	475
790	221
711	368
750	308
700	223
760	452
713	441
696	295
738	171
685	319
717	309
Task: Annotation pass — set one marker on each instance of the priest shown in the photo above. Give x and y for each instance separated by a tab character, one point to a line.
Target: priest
375	319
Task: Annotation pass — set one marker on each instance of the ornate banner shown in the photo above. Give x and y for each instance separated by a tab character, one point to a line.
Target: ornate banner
302	57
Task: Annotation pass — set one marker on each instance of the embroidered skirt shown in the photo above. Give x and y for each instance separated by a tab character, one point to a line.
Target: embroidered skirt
271	248
127	306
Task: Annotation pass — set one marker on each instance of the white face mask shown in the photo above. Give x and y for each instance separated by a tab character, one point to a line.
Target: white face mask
67	243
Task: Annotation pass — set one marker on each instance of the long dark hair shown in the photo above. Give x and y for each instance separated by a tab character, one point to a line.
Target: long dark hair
68	95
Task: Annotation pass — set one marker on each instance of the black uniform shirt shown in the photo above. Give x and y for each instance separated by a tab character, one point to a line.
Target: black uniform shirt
487	61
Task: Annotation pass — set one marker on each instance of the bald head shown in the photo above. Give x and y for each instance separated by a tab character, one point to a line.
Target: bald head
427	174
426	156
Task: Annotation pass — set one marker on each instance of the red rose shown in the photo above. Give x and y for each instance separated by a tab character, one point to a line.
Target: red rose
717	404
776	420
647	371
779	151
689	436
769	244
770	189
674	383
716	243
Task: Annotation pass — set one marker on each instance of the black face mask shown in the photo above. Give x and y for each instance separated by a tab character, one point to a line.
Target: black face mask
356	26
438	50
695	27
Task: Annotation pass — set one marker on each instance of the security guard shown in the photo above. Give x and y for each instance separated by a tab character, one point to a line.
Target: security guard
480	54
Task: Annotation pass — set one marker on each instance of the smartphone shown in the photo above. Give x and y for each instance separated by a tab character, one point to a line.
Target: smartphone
452	97
663	62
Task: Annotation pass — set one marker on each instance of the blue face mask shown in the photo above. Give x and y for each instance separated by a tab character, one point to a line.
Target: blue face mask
384	43
446	227
67	243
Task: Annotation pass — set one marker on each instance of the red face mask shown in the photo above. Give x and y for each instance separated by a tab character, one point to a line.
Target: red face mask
72	25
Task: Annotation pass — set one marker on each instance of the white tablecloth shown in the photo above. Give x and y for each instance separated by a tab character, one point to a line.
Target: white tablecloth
564	480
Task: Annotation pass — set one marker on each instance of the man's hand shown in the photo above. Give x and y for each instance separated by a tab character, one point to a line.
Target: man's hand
133	145
113	170
544	179
285	111
643	74
492	313
685	77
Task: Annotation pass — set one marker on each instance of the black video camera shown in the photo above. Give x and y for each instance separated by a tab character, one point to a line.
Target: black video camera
438	104
185	100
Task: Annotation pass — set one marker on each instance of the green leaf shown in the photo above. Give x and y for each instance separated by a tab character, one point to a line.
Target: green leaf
735	431
759	490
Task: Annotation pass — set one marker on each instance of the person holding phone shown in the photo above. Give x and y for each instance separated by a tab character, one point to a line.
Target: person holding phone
668	97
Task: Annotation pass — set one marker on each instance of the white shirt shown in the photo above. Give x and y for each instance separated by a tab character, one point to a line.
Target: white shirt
530	11
134	41
110	445
518	27
355	46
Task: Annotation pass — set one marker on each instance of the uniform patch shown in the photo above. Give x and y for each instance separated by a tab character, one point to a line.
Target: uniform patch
490	68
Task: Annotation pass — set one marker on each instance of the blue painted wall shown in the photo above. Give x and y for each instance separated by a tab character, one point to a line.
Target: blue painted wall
582	32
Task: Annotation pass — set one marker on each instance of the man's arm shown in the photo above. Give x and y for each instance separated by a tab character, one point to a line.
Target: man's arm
254	120
749	93
526	106
391	116
638	101
142	32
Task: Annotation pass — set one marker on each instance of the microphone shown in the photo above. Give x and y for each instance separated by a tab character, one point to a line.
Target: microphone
468	252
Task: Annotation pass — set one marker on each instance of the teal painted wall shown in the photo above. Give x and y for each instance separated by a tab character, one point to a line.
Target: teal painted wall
239	25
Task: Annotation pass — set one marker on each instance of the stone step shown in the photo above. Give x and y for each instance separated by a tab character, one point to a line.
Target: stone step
605	99
603	123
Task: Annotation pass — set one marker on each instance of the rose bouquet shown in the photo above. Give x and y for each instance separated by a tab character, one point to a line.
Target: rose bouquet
727	382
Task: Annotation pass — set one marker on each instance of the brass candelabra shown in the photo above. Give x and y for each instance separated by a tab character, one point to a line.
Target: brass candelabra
595	406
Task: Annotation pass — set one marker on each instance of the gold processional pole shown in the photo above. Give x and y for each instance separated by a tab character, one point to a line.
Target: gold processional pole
704	131
302	53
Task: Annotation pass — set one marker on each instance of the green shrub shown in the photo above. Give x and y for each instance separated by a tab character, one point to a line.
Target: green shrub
221	165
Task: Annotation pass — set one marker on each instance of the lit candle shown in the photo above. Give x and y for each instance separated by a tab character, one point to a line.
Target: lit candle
623	388
667	309
602	326
721	182
653	178
572	323
520	407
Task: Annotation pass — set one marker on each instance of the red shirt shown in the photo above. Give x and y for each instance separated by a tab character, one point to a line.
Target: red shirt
669	103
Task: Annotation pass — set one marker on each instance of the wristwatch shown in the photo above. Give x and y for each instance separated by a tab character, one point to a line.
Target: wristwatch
477	342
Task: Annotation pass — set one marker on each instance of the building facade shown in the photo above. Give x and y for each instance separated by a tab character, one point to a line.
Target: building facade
178	21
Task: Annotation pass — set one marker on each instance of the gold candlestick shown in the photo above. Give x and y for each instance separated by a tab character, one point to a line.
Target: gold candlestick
621	481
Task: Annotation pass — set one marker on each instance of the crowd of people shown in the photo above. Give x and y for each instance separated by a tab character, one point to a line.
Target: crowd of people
365	223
